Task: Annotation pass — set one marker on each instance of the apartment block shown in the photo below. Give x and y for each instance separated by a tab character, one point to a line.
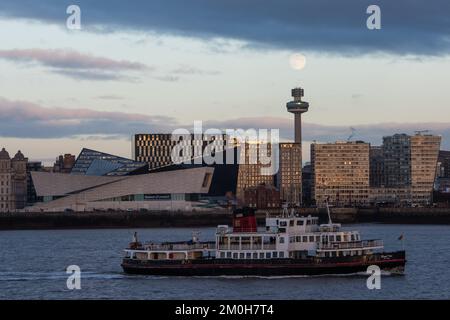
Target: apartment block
340	173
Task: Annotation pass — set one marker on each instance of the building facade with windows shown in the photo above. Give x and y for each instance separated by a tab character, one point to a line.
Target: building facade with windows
404	169
262	197
13	181
240	166
340	173
290	173
424	158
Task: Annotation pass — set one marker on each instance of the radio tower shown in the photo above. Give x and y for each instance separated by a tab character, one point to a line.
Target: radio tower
297	107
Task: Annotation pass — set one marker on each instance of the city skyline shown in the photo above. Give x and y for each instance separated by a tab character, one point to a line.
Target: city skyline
95	87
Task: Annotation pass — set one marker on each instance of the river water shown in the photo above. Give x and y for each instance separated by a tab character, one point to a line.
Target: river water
33	264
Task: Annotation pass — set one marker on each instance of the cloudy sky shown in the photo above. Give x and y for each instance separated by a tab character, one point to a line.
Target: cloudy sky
152	66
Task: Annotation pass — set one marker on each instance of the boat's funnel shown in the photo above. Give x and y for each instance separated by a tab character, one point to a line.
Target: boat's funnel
244	220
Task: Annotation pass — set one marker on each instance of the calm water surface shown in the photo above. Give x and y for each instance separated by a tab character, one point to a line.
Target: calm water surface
33	263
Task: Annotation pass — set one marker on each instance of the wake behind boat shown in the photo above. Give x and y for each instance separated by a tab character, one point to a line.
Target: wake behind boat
290	245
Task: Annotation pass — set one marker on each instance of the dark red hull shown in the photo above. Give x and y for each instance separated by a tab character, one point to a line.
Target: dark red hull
393	261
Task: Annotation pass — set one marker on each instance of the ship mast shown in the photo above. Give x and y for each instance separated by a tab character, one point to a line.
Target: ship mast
328	211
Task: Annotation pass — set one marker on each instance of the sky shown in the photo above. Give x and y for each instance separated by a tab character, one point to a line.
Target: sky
154	66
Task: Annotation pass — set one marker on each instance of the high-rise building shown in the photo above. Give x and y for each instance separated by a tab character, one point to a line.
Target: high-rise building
340	173
444	160
246	169
13	181
252	168
377	176
290	173
306	184
405	171
157	148
397	160
424	157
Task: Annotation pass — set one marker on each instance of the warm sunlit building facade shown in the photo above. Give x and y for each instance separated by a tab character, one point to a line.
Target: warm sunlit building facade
13	181
340	173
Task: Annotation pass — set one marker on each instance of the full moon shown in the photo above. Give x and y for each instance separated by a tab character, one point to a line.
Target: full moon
297	61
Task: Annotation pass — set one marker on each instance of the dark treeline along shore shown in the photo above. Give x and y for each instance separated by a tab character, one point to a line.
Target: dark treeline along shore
156	219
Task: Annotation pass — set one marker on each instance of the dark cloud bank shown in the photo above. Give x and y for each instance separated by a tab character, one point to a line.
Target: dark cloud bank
408	26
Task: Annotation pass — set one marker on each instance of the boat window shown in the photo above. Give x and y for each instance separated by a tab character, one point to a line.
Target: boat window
222	254
338	238
291	223
268	255
235	255
248	255
261	255
234	241
257	240
308	222
245	242
281	254
331	238
275	254
291	239
241	255
311	238
317	238
228	254
353	237
283	223
299	222
281	239
305	239
255	255
299	239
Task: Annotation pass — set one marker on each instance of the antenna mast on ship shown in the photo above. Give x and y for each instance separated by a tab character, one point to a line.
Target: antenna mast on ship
328	211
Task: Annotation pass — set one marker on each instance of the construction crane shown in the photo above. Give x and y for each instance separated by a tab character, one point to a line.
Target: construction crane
352	134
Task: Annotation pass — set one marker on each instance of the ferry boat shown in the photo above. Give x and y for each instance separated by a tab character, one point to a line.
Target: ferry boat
290	245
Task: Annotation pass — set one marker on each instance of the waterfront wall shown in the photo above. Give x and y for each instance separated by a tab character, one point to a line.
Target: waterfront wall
85	220
383	215
209	218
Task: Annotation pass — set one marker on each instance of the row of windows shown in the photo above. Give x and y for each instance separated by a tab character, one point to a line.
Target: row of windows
283	223
252	255
329	238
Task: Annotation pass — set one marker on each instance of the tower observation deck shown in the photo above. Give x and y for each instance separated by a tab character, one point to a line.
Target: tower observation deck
297	107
